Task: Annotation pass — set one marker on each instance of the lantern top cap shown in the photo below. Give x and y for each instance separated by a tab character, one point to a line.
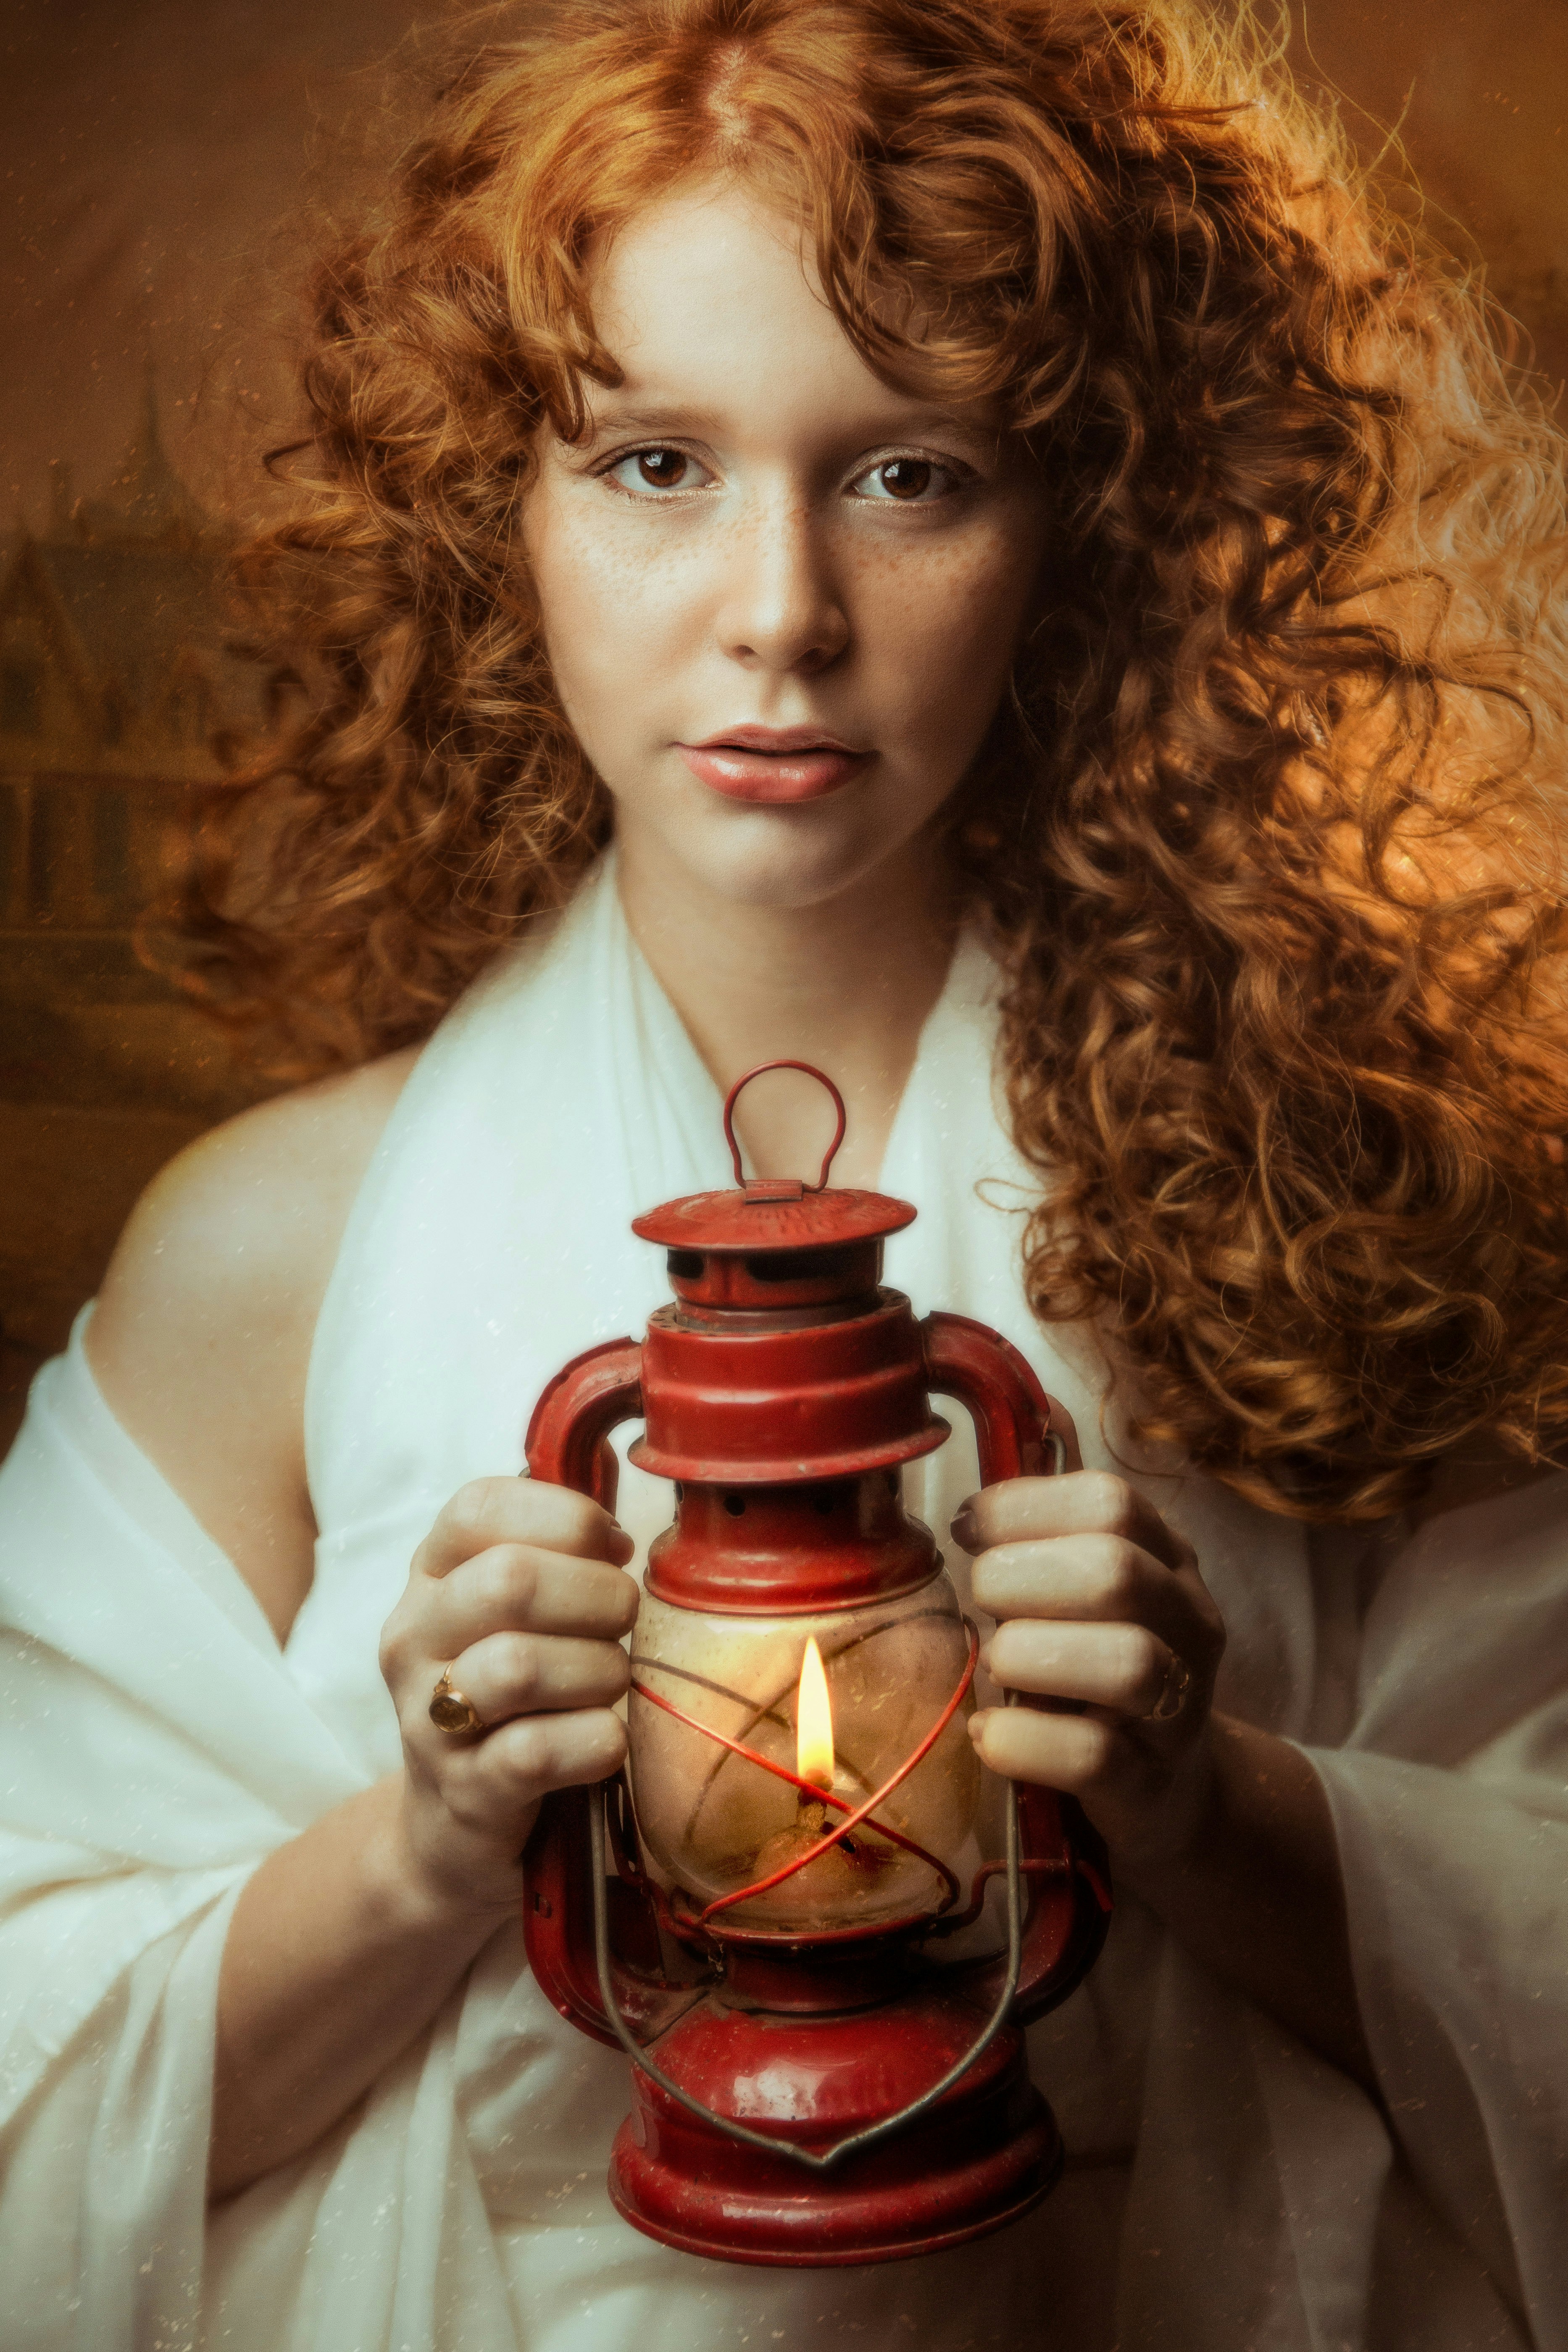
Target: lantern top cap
775	1212
720	1222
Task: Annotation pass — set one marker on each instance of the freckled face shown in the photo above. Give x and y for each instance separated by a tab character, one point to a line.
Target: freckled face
780	599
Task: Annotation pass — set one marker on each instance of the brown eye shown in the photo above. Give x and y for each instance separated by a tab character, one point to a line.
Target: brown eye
905	478
659	469
662	469
906	482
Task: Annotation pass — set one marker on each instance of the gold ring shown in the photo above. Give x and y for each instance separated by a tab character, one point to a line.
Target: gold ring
1173	1696
450	1711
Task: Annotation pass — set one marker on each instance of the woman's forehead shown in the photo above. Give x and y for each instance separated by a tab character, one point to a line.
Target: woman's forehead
712	259
709	297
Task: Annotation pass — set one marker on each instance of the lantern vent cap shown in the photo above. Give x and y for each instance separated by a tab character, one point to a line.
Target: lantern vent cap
737	1223
766	1214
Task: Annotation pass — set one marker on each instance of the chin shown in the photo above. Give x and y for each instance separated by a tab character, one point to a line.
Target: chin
783	858
777	861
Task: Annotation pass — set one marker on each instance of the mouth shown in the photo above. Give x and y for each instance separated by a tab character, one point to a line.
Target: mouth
773	764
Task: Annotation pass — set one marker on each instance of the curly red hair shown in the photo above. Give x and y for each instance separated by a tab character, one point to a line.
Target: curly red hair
1268	830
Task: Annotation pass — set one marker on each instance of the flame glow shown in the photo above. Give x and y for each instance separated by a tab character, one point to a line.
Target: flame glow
814	1721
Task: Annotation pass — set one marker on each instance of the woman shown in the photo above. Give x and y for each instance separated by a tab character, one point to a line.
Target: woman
891	534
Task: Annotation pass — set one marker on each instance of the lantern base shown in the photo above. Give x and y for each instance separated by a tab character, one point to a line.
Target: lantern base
975	2161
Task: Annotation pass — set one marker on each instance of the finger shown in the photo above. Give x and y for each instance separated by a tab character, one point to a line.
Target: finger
489	1511
519	1587
514	1674
1123	1667
1075	1753
1094	1578
1084	1502
485	1787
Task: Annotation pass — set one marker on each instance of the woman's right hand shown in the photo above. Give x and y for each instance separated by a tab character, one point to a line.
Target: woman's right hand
520	1594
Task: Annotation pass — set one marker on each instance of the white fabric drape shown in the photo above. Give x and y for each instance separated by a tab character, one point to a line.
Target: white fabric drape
156	1743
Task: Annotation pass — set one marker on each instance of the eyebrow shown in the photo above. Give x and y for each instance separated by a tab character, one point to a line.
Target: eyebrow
675	417
644	420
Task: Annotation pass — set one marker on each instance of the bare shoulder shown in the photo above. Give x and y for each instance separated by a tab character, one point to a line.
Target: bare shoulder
201	1337
253	1211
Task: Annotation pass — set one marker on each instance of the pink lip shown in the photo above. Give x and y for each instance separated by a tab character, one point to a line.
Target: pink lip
775	764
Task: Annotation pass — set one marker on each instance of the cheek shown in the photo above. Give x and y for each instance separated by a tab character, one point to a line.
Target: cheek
947	627
611	621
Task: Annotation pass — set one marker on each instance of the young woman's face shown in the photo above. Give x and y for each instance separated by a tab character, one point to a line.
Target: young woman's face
780	599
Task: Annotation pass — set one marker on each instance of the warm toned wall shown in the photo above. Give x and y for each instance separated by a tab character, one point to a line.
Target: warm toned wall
1477	97
152	149
152	145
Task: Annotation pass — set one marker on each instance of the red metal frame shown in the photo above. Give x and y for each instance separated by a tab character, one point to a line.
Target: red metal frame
743	1402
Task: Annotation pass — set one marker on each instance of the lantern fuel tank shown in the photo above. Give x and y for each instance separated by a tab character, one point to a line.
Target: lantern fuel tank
757	1909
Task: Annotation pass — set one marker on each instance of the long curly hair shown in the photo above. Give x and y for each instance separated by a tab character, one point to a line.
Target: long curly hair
1268	831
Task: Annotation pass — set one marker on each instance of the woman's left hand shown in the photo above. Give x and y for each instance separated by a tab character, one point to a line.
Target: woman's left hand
1098	1604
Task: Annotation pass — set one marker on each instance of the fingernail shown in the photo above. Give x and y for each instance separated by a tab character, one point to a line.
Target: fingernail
977	1723
963	1531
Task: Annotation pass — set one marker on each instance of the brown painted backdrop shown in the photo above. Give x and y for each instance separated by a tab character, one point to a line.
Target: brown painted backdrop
165	159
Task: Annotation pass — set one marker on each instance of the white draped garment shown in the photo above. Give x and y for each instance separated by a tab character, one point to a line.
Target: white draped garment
1226	2190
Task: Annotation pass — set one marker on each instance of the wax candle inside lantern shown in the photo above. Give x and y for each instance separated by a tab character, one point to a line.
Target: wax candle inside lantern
730	1715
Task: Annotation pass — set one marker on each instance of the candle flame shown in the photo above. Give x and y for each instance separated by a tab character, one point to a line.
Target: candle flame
814	1721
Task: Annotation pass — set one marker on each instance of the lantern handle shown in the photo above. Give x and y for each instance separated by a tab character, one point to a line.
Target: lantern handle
1019	1432
567	1446
811	1072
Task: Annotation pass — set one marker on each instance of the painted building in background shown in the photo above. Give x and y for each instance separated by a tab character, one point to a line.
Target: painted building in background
118	692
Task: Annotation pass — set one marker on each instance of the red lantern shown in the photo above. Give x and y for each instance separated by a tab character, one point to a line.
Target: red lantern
812	2083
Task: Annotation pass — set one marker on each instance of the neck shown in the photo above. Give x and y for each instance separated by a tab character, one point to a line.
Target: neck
845	984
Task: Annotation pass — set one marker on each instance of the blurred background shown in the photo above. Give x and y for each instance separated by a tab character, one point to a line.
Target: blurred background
169	166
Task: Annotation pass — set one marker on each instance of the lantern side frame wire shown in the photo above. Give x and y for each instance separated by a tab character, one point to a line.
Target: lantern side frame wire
872	2135
824	1796
865	1812
767	1712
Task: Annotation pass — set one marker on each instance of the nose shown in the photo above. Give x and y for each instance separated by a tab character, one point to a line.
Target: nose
783	609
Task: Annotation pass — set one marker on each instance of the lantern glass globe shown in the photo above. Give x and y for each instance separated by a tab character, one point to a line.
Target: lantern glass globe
714	1821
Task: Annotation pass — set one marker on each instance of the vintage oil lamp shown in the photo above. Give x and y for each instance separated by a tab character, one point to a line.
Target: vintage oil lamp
758	1920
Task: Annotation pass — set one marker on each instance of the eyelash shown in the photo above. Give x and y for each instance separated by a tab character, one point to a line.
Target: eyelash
647	490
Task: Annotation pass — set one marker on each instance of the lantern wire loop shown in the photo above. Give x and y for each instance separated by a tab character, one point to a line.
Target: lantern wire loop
819	1796
811	1072
812	2160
